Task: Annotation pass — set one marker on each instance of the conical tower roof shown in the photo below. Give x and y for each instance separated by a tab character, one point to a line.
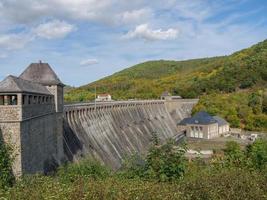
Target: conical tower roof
41	73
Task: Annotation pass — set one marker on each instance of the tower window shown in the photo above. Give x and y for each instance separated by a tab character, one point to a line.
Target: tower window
14	100
30	100
2	102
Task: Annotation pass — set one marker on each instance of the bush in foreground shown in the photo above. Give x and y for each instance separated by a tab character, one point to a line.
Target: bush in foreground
6	176
88	168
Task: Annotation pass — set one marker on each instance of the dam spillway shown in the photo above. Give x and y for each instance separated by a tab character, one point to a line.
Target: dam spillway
109	131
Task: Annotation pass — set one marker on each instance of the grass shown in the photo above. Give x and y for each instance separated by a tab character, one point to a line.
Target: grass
212	144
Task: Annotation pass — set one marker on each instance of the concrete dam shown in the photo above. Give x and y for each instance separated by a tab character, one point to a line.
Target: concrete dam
109	131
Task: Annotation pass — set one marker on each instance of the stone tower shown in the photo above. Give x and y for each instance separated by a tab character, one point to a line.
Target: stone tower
31	118
43	74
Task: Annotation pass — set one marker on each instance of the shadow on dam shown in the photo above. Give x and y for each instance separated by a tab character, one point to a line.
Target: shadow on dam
110	131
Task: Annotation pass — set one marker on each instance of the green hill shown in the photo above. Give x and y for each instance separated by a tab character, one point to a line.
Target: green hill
240	79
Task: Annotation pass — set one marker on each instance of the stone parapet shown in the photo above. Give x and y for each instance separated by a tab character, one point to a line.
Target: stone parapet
10	113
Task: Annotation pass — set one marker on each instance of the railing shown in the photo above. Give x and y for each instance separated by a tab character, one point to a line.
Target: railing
111	104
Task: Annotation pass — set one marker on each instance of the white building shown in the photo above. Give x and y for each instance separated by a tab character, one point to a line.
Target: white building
203	125
104	97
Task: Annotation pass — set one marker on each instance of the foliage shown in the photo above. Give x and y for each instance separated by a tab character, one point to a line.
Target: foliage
200	180
243	109
234	156
6	176
257	152
166	162
85	168
224	184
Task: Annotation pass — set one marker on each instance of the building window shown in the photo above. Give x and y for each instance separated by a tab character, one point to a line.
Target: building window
35	100
39	99
2	100
11	100
30	100
24	99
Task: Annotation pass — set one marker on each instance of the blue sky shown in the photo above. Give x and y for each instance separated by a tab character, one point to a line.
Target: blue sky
85	40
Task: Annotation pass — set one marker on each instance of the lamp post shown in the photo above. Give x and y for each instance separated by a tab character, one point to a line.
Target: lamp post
95	98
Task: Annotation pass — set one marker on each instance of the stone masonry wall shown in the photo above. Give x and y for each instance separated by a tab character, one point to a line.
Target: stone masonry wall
11	135
38	143
29	111
10	113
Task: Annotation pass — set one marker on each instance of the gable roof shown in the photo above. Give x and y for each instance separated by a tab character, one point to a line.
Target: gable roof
220	121
201	117
41	73
13	84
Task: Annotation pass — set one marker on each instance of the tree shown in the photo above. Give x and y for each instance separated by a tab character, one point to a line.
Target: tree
255	102
233	154
166	162
257	152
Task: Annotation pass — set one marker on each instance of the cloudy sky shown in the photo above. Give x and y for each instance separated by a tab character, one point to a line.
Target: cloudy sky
84	40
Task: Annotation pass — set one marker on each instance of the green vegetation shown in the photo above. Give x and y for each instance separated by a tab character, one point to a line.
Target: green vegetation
228	79
6	176
163	163
243	109
232	174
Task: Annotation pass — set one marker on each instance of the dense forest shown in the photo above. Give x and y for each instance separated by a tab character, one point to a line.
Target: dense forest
231	86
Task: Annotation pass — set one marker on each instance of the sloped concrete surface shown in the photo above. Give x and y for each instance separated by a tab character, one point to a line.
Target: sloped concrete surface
110	131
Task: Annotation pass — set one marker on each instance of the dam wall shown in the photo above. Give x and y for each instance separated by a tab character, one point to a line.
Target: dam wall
109	131
180	109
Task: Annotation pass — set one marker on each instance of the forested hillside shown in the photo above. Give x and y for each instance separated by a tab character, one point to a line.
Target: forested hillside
232	86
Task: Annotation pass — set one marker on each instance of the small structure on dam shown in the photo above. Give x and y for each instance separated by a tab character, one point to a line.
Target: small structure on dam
44	131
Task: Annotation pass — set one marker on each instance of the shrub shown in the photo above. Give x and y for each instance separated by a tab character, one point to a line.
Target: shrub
85	168
234	156
223	184
133	167
163	163
166	162
257	152
6	176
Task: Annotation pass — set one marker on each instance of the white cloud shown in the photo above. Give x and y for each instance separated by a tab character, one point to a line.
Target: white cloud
54	29
14	41
88	62
28	11
144	32
136	15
